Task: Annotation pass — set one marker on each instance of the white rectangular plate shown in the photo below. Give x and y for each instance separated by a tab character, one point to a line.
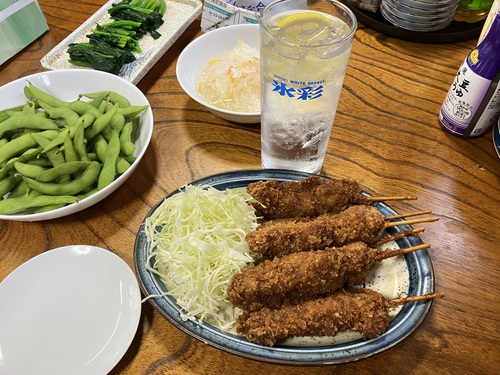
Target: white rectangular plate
179	15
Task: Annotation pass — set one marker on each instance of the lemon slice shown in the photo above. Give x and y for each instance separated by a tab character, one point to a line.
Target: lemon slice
302	18
305	24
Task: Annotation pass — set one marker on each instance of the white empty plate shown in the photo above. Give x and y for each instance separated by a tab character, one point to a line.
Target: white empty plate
71	310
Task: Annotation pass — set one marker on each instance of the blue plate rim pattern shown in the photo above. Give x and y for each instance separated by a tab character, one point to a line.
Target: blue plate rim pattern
406	321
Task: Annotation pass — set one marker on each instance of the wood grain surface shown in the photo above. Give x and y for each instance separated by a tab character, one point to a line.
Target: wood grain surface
386	135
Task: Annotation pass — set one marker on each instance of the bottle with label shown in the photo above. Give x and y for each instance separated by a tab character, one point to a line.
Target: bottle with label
471	11
472	103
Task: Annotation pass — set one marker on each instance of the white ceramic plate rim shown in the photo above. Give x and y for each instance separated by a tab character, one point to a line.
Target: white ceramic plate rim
81	325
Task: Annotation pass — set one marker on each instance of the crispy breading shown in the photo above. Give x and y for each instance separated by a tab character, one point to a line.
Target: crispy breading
294	277
311	196
361	310
286	236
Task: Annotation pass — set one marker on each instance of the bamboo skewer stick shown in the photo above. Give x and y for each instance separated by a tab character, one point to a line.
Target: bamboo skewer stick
410	214
392	253
398	236
400	301
409	222
391	198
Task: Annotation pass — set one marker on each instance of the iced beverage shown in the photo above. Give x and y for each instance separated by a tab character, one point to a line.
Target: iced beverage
305	48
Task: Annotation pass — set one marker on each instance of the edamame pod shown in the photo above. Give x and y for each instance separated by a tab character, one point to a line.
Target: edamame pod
24	157
73	187
80	143
57	141
68	168
112	96
16	147
26	122
81	107
100	123
54	155
29	170
126	144
19	204
38	94
108	173
132	110
69	149
9	183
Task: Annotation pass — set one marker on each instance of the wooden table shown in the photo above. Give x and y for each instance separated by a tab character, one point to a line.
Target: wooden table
386	135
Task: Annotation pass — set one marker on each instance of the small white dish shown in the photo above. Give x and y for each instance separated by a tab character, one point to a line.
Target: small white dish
205	47
71	310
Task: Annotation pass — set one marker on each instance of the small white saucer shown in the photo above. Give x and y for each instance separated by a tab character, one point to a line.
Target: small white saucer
71	310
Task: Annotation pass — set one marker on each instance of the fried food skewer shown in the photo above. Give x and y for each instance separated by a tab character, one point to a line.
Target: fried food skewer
361	310
355	224
294	277
309	197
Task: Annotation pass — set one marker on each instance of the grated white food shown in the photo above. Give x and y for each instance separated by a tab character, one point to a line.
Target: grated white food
231	80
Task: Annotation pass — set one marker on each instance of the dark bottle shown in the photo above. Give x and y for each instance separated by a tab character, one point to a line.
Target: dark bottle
472	104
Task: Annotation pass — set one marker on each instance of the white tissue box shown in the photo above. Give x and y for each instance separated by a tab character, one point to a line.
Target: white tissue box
21	22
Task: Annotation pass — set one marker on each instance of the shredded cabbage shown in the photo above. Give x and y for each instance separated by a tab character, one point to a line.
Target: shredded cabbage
231	81
198	241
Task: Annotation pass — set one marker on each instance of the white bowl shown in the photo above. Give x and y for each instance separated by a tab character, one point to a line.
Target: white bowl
66	85
202	49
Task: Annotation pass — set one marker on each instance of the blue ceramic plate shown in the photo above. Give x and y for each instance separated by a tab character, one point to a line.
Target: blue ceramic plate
406	321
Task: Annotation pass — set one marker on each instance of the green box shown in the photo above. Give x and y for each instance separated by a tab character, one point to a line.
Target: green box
21	22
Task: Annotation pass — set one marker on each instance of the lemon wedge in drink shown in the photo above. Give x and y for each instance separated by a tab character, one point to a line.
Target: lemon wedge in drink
305	26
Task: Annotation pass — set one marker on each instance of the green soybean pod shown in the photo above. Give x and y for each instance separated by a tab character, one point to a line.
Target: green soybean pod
39	94
9	183
126	144
26	122
73	187
116	98
16	147
42	161
132	110
100	147
80	143
122	165
19	204
108	173
26	156
3	141
49	207
81	107
68	168
19	191
57	141
69	149
100	123
68	115
28	170
87	193
29	108
117	122
54	155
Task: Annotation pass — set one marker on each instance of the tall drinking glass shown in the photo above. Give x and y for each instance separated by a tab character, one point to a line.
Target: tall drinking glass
305	48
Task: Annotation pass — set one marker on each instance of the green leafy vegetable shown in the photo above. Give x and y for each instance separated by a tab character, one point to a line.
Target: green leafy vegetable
111	45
